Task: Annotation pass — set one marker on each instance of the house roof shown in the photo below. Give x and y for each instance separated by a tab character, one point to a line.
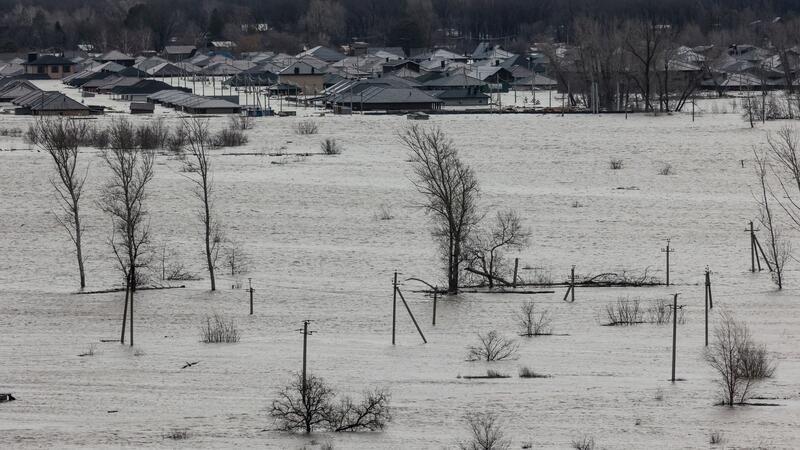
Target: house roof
179	49
323	53
49	60
304	69
116	55
49	101
184	99
453	79
388	95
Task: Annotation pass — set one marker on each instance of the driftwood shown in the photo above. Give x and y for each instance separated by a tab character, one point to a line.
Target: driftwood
146	288
6	398
486	275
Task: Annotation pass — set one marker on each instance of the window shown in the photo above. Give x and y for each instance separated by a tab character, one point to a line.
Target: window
39	69
297	71
66	68
53	69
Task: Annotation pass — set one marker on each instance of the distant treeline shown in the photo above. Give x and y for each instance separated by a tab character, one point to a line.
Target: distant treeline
287	25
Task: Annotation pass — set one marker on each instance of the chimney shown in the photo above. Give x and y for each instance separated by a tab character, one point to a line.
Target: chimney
32	57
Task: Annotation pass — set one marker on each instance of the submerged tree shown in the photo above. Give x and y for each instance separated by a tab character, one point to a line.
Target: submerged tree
451	192
486	250
60	138
198	163
778	248
123	199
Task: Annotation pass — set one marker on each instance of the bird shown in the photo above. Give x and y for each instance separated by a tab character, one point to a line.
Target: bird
189	364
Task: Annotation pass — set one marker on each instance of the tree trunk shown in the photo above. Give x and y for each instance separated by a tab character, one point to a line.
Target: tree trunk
209	260
125	311
78	249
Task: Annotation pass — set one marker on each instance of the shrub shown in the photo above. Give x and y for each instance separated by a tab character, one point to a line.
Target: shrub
152	135
486	432
666	169
660	313
615	164
527	372
89	350
314	408
177	434
533	323
97	137
624	312
384	212
330	147
716	438
306	127
492	347
739	362
229	137
218	329
495	374
239	122
583	443
176	141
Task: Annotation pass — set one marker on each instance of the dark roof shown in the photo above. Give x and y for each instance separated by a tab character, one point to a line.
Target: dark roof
49	60
388	95
145	87
458	93
453	80
49	101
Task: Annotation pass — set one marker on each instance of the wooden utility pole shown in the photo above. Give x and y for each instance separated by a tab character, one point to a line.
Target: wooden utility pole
305	332
397	289
709	301
674	332
516	266
667	251
435	295
394	306
250	288
753	249
571	287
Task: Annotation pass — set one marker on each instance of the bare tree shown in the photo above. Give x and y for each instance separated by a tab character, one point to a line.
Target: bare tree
738	361
533	323
450	189
123	199
60	138
315	408
750	110
492	347
198	164
778	248
486	249
236	259
644	41
486	432
784	148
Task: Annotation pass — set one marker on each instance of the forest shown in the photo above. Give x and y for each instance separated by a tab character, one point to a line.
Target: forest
289	25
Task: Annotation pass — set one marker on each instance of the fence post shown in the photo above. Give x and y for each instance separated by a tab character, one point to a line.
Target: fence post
250	288
394	306
674	332
435	294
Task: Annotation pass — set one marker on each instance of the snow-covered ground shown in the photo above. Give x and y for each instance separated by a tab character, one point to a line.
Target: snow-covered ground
319	252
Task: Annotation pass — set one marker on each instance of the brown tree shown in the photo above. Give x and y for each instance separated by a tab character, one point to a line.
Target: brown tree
450	189
123	200
60	138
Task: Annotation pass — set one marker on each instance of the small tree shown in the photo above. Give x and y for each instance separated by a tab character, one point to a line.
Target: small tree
486	251
492	347
486	432
533	323
450	189
778	248
198	163
60	138
296	410
299	410
123	200
237	261
738	361
751	110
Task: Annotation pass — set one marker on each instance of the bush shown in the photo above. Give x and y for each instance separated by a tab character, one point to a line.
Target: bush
492	347
583	443
97	137
296	410
624	312
533	323
176	141
716	438
487	432
527	372
330	147
229	137
384	212
307	127
177	434
615	164
739	362
666	169
152	135
218	329
240	122
660	313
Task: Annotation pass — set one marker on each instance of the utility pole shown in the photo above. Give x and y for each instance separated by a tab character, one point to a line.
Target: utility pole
394	306
667	251
754	259
250	289
435	295
305	332
709	301
674	332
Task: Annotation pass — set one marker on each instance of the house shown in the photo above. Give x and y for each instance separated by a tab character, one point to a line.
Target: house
53	66
322	53
118	57
383	98
303	75
461	97
49	103
453	81
11	89
194	104
138	91
221	46
177	53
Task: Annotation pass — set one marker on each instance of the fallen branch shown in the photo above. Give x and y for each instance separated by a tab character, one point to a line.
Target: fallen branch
147	288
